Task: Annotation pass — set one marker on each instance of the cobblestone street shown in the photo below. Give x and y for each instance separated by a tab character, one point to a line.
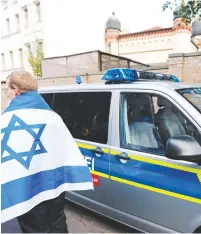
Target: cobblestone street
82	221
79	220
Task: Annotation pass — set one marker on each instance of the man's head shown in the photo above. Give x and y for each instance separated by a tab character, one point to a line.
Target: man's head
20	82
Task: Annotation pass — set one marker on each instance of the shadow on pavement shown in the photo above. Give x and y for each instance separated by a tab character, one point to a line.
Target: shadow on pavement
95	222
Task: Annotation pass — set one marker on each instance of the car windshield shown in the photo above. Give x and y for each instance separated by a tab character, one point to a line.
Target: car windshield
193	95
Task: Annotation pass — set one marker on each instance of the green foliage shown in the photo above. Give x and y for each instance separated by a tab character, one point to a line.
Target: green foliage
35	60
189	9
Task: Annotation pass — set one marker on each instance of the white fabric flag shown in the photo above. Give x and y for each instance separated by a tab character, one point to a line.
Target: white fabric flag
39	157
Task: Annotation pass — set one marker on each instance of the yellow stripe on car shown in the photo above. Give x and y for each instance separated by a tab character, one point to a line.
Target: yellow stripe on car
150	188
157	190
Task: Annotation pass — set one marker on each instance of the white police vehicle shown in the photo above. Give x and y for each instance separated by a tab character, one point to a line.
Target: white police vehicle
140	133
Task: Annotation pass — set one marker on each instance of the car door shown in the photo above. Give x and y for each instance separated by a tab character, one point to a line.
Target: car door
86	114
151	192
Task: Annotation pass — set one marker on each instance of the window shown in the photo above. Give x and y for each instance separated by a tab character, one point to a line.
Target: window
21	57
85	114
48	97
25	16
192	95
7	26
2	62
147	122
169	41
4	3
28	46
11	59
41	45
17	20
38	13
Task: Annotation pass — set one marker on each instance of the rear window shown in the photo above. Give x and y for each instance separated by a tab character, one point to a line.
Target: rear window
48	97
86	114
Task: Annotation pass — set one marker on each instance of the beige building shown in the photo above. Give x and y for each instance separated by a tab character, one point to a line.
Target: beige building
154	45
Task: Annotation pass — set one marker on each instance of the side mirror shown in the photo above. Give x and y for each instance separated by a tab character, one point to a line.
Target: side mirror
183	147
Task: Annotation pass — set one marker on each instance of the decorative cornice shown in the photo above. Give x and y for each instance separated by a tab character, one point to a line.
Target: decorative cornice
181	26
147	34
111	39
112	35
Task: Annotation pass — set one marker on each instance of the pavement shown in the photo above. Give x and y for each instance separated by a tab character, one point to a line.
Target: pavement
79	220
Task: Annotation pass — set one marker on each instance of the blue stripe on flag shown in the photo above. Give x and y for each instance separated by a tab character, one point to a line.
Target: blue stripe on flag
40	182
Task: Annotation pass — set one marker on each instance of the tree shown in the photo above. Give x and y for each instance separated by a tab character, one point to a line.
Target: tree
35	61
188	8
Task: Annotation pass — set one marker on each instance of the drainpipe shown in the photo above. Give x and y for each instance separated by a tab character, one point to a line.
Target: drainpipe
192	41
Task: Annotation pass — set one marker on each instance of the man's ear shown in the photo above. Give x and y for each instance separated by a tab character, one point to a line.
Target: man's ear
16	90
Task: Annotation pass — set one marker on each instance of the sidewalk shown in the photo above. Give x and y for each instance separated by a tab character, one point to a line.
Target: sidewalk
79	221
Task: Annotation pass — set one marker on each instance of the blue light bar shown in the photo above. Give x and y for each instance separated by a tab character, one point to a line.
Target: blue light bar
125	75
78	80
120	74
175	78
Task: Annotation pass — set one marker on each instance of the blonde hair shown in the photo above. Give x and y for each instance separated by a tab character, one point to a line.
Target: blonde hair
22	80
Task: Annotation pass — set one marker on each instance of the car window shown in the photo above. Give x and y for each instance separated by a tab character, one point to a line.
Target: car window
171	122
147	122
192	95
48	97
85	114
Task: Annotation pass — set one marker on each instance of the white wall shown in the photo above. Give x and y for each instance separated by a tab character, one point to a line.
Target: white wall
182	43
18	37
153	50
150	56
148	50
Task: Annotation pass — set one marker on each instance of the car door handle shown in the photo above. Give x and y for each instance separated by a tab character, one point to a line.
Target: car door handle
98	150
123	156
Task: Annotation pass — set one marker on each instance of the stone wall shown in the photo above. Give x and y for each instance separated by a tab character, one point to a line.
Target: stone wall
161	68
70	65
186	66
91	62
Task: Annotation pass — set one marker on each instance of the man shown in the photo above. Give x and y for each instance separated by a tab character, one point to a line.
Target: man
40	160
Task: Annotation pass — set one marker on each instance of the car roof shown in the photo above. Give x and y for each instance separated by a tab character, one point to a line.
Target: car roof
101	86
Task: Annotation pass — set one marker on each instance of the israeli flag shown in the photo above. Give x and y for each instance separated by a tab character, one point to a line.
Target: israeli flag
39	157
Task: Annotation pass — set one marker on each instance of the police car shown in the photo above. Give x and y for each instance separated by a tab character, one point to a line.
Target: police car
140	134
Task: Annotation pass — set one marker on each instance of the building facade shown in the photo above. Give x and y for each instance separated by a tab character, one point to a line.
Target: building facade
21	32
25	25
154	45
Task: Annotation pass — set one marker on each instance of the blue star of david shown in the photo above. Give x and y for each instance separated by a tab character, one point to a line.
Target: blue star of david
24	158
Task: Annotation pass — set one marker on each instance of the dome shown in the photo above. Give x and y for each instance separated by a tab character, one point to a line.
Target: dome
196	27
113	23
177	12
